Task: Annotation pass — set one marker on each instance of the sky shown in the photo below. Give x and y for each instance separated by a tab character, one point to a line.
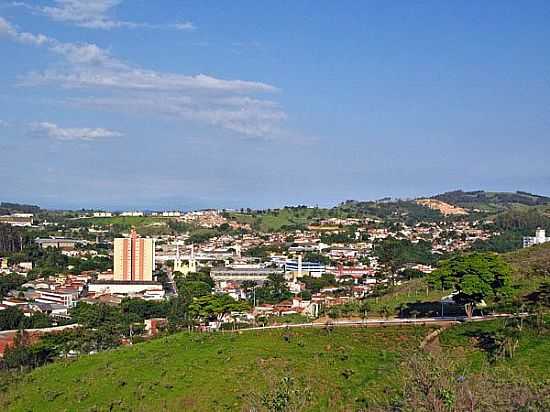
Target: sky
176	104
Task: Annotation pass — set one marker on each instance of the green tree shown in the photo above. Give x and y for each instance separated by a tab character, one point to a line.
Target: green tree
475	276
274	289
214	307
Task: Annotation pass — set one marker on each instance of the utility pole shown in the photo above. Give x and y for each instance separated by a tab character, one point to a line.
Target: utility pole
254	294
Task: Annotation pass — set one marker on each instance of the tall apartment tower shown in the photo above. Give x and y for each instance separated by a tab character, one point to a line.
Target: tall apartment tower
134	258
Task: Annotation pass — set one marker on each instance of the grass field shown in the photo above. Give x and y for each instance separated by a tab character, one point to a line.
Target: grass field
277	219
531	357
331	370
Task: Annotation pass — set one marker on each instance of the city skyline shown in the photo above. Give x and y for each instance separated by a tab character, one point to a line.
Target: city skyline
270	105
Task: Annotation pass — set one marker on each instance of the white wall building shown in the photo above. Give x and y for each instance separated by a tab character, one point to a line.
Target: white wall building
102	214
538	239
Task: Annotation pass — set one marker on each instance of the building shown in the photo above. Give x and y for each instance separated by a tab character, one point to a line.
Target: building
538	239
62	243
134	258
297	268
102	214
132	214
181	266
145	289
18	219
239	274
61	296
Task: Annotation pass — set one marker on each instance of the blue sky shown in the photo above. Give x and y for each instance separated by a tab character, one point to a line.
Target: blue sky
192	104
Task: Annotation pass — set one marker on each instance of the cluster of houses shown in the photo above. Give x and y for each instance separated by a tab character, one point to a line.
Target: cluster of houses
231	262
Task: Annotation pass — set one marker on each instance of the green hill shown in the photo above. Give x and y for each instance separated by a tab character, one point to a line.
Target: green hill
379	369
326	370
530	268
492	201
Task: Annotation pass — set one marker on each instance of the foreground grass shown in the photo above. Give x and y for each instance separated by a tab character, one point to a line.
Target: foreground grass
465	344
338	369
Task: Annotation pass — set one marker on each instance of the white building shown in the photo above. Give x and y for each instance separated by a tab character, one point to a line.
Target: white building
148	289
132	214
538	239
102	214
66	297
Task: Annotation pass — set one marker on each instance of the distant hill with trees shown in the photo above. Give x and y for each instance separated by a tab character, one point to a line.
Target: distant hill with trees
7	208
483	200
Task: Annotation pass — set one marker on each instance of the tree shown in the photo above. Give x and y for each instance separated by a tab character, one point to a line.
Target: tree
248	287
10	318
475	277
394	254
214	307
274	289
364	309
194	289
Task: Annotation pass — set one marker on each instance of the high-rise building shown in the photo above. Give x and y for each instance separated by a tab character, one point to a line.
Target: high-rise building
134	258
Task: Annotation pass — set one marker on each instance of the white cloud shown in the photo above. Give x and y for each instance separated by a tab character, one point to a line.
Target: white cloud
186	25
94	14
53	131
125	77
246	116
7	29
230	104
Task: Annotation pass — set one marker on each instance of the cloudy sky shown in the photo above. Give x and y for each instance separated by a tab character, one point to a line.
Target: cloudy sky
192	104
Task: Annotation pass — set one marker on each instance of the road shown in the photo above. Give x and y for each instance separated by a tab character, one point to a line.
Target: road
444	321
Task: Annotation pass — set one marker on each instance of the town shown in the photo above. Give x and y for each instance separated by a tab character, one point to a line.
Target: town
275	206
326	266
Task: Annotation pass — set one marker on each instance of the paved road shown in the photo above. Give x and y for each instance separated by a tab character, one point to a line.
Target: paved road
444	321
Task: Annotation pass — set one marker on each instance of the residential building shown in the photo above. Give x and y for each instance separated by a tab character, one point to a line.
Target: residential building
134	258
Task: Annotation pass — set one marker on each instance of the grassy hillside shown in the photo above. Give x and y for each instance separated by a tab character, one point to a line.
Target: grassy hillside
465	345
530	268
127	221
378	369
278	219
326	370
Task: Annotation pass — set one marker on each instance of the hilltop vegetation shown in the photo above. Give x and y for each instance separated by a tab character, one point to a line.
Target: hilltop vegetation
313	369
287	218
7	208
409	211
529	270
491	201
